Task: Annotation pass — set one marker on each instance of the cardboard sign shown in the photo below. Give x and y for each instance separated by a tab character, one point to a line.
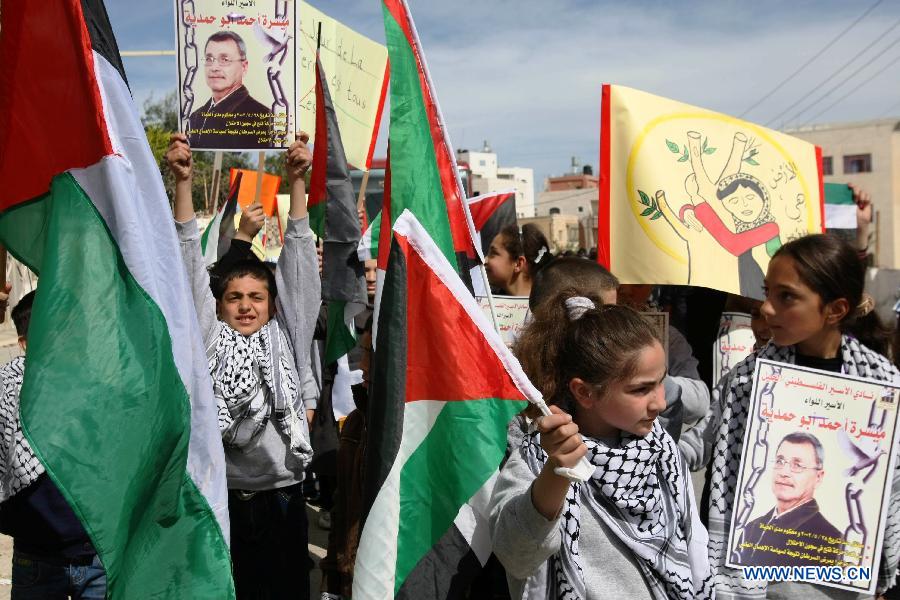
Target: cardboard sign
827	437
236	73
512	315
734	343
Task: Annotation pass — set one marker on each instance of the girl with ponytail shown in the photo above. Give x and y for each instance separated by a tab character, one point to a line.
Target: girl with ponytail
630	531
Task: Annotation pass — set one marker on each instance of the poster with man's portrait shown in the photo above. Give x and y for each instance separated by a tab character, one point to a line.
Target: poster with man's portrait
236	73
813	485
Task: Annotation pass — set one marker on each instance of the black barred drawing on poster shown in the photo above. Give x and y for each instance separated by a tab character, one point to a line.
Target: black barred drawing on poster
813	484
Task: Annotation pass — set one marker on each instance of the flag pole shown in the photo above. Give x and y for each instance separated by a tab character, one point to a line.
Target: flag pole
490	295
215	184
361	199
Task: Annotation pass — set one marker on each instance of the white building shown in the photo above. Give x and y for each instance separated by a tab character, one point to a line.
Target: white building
488	177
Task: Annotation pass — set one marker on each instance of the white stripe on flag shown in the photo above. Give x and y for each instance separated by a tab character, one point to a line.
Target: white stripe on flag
128	192
376	559
840	216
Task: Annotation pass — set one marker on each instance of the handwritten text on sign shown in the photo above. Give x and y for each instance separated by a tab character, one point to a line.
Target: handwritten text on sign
356	72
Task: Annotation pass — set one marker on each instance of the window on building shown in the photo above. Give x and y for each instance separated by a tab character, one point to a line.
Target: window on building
827	166
580	209
554	211
857	163
481	162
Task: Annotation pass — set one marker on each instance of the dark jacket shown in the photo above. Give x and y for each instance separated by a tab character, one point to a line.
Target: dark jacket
237	122
799	538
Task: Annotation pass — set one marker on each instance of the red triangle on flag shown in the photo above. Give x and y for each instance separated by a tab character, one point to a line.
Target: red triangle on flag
448	355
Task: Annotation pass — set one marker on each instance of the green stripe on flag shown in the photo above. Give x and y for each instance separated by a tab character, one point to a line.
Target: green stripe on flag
456	458
838	193
105	409
339	339
317	219
415	179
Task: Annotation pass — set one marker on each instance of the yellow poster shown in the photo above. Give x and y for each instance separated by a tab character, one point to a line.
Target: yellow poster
357	72
690	196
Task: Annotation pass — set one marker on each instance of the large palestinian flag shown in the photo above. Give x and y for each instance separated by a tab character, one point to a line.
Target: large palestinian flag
444	389
117	402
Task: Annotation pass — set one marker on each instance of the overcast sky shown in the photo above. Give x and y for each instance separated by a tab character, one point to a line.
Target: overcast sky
526	74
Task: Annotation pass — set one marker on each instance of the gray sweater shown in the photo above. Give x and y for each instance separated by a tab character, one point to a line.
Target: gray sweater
523	541
268	463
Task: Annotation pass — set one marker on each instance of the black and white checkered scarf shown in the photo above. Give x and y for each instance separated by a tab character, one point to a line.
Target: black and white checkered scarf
733	395
255	380
19	467
641	491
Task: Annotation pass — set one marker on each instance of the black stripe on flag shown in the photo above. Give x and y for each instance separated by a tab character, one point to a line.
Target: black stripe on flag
387	395
103	42
446	571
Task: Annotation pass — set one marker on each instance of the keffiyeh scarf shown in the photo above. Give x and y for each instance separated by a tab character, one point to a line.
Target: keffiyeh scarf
255	380
19	467
640	492
733	394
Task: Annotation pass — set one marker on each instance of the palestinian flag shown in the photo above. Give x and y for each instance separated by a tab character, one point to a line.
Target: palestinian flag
840	209
424	177
490	214
217	236
332	204
444	389
117	402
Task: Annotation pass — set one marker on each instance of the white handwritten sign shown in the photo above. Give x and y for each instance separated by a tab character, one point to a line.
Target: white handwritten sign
356	69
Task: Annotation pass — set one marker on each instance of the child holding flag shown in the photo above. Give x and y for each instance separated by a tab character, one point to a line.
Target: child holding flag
632	530
257	341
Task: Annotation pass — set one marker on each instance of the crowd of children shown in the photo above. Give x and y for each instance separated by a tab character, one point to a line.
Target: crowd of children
638	409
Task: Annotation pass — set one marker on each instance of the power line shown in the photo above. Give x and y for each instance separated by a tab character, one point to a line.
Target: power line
813	58
845	96
833	75
852	75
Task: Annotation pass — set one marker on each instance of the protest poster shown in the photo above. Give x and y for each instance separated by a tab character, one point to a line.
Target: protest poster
690	196
357	72
512	315
660	323
733	344
813	484
236	73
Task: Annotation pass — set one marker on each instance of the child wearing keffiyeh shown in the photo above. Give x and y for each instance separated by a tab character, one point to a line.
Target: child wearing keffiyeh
632	530
257	350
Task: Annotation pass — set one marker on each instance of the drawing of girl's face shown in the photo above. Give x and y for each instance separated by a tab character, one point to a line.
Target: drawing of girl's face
745	204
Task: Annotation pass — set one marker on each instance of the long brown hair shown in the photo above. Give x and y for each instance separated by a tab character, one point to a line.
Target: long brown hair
600	347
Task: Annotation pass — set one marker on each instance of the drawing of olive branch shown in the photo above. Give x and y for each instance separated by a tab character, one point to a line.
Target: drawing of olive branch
751	152
652	208
683	152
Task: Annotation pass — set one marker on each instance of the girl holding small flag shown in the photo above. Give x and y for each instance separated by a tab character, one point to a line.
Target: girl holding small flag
632	530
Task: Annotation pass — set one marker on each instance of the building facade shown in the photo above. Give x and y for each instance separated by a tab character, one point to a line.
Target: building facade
488	176
866	154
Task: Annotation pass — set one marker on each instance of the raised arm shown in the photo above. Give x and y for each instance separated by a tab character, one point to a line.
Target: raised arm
297	275
178	156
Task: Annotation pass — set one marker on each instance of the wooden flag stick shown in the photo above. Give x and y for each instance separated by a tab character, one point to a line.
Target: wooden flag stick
361	199
260	171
